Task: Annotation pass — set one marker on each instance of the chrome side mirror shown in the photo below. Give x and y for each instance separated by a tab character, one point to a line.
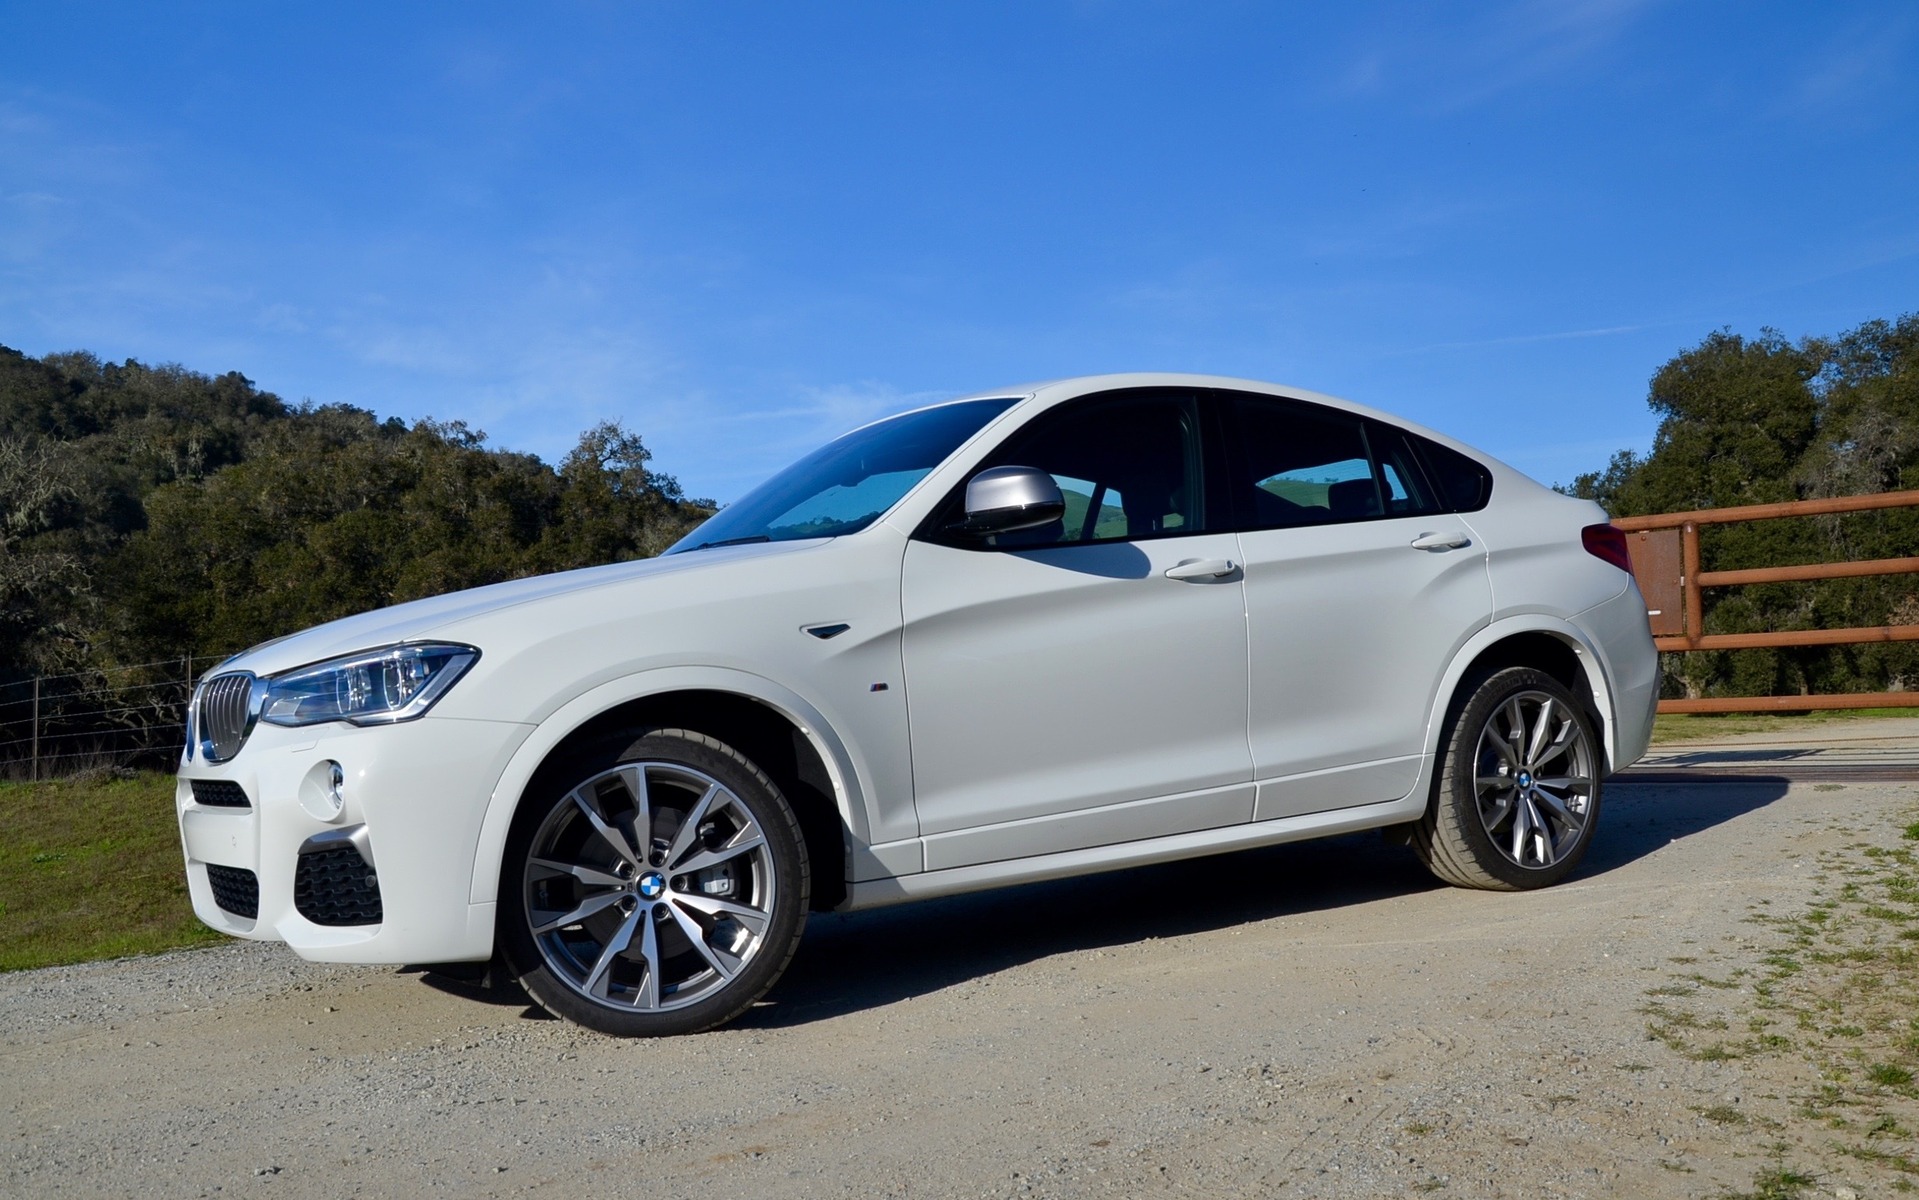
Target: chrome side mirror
1003	499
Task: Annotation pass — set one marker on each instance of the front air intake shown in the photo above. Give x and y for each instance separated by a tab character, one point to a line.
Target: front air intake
226	715
220	793
235	890
334	885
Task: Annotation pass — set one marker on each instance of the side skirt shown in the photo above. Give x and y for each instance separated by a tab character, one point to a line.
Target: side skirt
876	893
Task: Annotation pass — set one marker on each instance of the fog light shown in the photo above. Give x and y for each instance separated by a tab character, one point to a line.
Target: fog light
323	791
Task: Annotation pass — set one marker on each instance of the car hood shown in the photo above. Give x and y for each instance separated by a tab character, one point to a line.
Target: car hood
420	620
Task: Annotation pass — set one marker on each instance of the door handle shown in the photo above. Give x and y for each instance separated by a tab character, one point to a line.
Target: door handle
1441	541
1202	568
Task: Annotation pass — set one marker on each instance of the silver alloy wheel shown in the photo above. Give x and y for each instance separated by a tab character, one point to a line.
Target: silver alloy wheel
649	887
1533	779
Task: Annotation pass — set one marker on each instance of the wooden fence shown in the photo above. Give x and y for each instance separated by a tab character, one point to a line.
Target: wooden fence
1665	560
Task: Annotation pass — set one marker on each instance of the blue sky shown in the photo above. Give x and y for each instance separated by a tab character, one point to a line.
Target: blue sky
742	228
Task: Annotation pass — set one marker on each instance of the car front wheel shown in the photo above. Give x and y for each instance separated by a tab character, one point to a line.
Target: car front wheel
1518	794
657	886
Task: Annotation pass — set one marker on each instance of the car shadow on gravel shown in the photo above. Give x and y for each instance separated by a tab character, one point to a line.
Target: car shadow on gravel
850	962
1638	817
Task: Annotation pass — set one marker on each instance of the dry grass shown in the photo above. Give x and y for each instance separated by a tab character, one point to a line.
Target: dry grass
1833	997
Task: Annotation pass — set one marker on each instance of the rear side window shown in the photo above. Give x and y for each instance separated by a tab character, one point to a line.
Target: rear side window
1465	484
1299	464
1406	484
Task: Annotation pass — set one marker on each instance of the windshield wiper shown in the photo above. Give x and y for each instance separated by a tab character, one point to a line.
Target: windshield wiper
738	541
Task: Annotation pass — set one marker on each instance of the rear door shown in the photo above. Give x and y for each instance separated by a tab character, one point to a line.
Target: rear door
1360	588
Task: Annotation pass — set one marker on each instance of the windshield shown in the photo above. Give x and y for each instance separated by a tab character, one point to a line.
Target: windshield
846	484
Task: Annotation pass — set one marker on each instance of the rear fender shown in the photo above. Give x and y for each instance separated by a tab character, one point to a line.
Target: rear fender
1591	663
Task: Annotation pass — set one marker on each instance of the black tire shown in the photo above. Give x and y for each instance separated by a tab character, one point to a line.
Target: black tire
675	936
1496	819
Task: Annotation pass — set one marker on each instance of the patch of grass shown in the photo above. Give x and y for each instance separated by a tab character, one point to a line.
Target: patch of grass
1691	727
1778	1183
1673	989
1885	1158
1889	1075
1830	989
90	871
1724	985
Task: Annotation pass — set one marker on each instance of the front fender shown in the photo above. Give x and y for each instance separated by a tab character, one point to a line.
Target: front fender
843	767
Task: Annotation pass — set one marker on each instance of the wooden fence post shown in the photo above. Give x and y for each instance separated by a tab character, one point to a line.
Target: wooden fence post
1695	602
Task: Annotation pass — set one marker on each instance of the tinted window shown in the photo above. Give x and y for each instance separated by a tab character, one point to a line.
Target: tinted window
1298	464
1128	466
1407	486
845	485
1465	484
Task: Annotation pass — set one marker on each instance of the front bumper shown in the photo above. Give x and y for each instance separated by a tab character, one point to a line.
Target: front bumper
415	795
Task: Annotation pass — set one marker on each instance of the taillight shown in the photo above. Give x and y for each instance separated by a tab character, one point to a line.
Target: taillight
1603	541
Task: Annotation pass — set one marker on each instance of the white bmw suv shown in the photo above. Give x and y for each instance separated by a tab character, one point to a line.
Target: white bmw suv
1030	634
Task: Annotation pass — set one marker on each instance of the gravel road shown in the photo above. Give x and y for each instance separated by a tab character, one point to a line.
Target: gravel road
1312	1020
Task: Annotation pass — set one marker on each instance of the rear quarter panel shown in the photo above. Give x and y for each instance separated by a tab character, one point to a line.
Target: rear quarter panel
1544	580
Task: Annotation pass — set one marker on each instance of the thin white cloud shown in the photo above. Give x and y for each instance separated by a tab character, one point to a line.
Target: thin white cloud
1522	339
1446	63
1860	60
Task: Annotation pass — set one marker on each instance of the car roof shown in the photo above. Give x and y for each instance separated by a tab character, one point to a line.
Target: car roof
1049	392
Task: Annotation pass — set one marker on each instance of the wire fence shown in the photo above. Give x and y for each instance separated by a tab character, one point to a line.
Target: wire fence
53	726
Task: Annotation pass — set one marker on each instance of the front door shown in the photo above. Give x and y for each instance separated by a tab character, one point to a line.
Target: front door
1063	689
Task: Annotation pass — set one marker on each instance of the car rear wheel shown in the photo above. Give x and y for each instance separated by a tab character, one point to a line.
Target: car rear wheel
1517	797
658	885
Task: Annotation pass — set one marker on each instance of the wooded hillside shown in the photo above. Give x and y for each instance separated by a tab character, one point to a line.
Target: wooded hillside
153	513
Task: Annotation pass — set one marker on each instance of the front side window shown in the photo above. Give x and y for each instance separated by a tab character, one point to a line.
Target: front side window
1298	464
849	483
1127	465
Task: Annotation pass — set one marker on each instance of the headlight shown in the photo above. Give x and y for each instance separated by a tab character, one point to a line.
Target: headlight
374	687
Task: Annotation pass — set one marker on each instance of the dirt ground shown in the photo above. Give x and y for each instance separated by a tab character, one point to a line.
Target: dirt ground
1311	1020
